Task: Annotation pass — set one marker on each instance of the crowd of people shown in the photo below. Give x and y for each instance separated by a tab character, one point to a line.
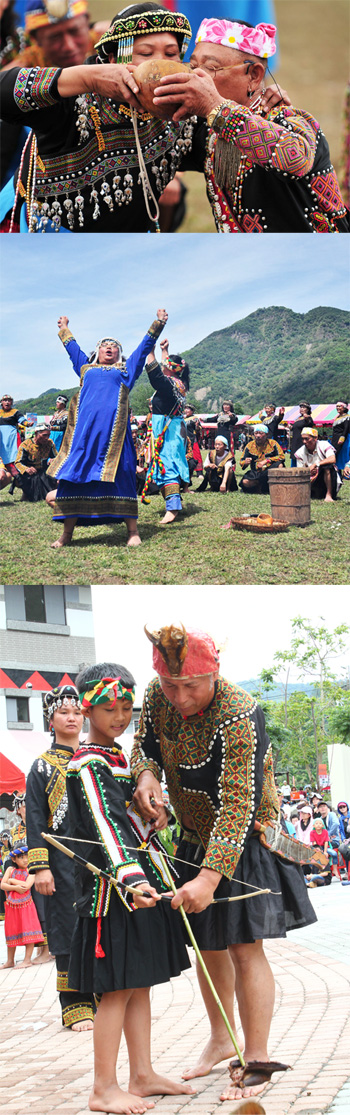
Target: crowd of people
206	738
69	118
102	465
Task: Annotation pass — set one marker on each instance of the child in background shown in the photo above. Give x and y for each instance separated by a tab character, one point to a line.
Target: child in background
318	877
22	926
122	942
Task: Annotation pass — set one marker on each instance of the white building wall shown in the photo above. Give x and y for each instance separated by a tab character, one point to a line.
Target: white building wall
339	772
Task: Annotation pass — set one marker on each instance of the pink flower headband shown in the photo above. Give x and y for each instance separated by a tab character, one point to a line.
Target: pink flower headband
258	40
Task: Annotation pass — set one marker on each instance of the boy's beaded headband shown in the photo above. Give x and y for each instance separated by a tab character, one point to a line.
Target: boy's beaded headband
106	689
119	39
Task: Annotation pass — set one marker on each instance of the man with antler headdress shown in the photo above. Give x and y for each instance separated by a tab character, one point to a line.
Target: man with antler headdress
208	737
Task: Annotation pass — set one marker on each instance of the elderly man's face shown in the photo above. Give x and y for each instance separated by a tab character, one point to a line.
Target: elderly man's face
260	438
189	695
231	70
66	43
310	443
41	437
6	402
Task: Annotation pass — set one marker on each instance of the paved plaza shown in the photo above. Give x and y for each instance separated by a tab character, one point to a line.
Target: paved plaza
46	1069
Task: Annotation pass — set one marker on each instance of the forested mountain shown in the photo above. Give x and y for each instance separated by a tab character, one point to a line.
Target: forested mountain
273	355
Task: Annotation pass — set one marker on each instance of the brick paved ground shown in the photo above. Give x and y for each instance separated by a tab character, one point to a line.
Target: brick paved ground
46	1069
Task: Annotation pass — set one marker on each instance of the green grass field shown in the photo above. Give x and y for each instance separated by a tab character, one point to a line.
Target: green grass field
192	551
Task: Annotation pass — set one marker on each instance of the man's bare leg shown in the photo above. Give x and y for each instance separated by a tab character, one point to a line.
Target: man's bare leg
43	956
255	990
219	1047
133	534
66	537
144	1081
328	482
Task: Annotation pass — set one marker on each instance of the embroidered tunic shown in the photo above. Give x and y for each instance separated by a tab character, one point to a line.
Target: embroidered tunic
32	455
271	450
218	767
285	181
47	811
168	405
96	464
9	422
87	173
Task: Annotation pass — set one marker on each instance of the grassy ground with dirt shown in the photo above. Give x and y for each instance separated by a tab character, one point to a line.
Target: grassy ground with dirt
194	550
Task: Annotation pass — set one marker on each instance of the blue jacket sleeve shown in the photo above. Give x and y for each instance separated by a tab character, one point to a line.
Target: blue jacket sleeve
75	353
135	362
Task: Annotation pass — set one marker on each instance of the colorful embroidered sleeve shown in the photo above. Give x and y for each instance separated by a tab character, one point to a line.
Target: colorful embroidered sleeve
274	451
36	88
244	744
289	147
269	808
22	462
95	796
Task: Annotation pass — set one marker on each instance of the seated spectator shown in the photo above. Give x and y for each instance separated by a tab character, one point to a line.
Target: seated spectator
331	823
320	876
259	455
271	418
31	463
344	830
319	457
315	802
219	468
304	826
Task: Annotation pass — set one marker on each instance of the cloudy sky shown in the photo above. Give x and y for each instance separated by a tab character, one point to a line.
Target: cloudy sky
113	285
252	621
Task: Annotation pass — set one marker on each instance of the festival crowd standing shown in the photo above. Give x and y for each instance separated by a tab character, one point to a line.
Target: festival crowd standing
47	811
123	941
96	464
22	926
208	737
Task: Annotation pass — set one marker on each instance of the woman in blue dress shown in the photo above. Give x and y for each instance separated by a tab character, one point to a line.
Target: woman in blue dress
96	465
169	467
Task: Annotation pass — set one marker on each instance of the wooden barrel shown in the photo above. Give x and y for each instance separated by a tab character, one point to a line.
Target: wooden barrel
290	495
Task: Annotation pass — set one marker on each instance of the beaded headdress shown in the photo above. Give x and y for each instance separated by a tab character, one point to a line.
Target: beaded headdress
44	13
101	690
19	799
119	39
259	40
178	652
62	695
93	358
62	399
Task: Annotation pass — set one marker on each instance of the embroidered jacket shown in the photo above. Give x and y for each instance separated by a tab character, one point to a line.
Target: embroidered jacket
285	181
217	765
31	455
271	450
99	795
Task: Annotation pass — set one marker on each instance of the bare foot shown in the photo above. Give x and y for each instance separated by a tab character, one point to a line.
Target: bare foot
64	540
24	964
43	957
155	1085
212	1055
86	1024
168	517
9	964
232	1092
329	499
116	1102
134	540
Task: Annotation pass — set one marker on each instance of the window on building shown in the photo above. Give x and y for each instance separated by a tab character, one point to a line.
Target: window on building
17	709
36	603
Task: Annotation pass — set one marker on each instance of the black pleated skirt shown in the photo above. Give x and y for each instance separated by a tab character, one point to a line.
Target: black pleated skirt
141	948
267	915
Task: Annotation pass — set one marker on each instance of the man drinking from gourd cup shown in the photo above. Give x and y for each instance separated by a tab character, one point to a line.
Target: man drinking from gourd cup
267	169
